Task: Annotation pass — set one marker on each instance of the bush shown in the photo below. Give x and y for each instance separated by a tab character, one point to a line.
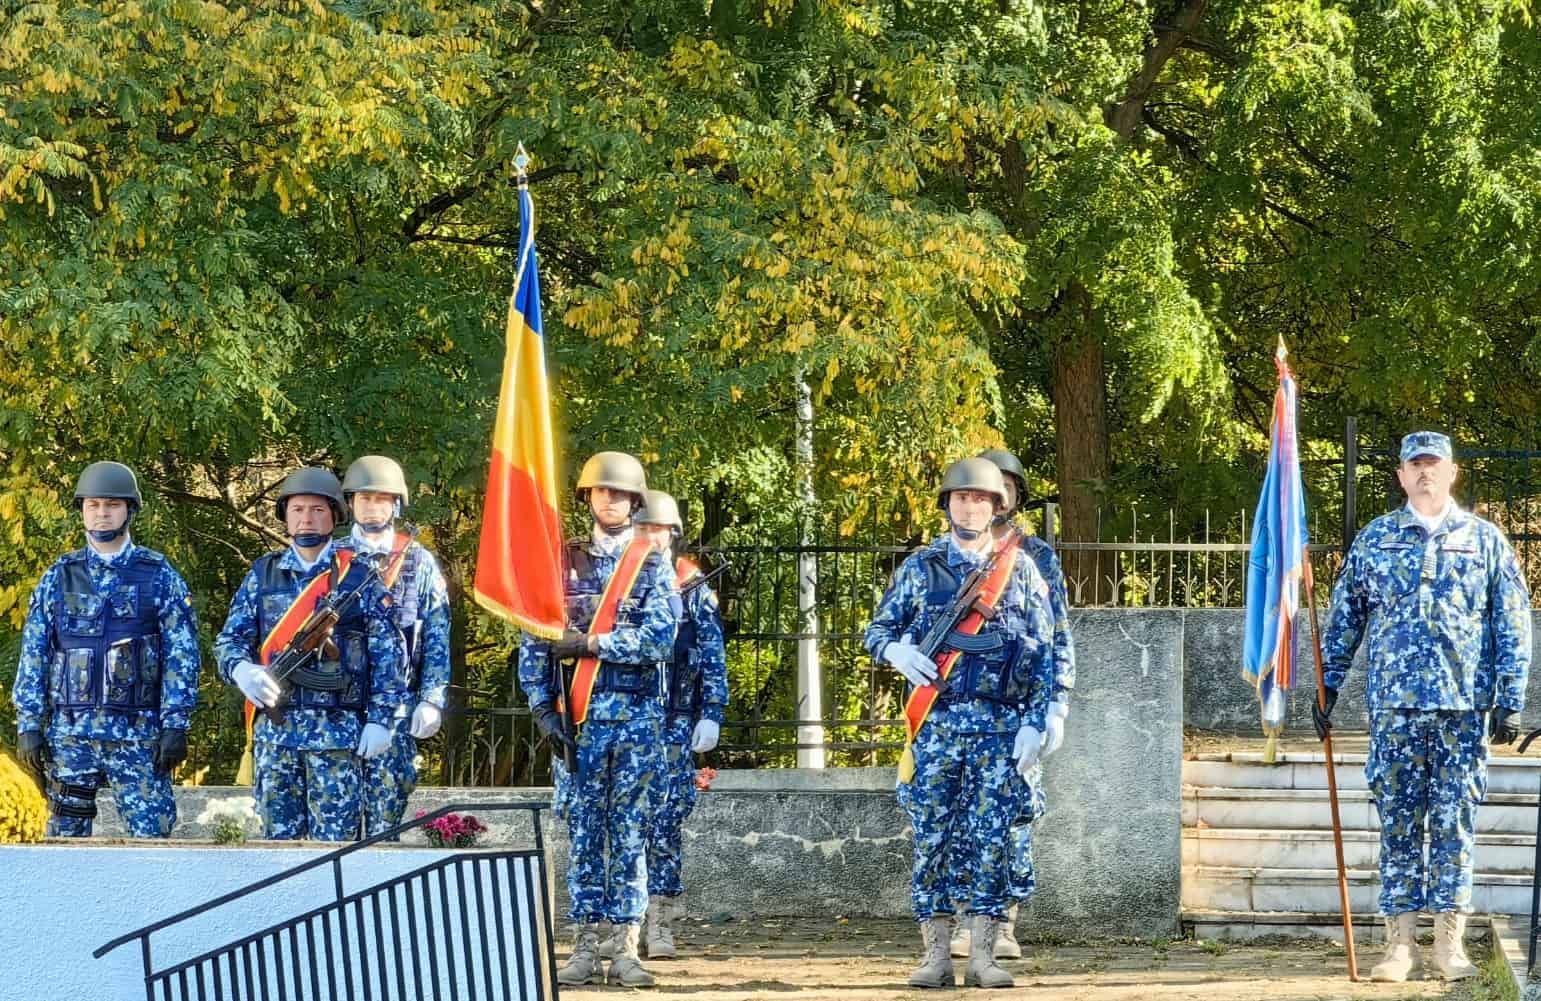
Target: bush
23	810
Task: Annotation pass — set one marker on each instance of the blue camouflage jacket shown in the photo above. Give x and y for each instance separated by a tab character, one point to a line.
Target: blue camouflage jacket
644	634
420	604
701	652
1059	607
178	653
1448	618
1023	617
320	729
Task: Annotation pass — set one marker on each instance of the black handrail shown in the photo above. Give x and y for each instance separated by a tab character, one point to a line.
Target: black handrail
334	858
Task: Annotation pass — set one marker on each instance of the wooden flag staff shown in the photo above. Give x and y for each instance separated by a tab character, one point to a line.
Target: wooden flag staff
1332	776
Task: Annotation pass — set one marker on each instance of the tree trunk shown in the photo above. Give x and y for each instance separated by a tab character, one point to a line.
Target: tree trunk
1080	418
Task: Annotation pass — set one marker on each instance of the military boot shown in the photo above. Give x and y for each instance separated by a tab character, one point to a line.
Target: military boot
983	970
582	967
606	940
660	928
1006	946
1401	957
959	925
1450	946
626	968
935	969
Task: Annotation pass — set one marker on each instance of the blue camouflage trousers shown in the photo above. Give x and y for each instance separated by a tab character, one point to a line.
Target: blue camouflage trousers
673	797
608	814
388	782
307	794
1023	879
143	795
961	803
1428	772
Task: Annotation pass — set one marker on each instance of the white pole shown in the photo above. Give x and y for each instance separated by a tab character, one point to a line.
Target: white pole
810	677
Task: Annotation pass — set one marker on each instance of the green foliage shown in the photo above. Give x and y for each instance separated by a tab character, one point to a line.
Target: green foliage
234	238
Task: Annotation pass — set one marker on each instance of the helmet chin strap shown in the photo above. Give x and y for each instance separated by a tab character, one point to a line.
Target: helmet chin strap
374	527
310	540
614	530
107	534
966	534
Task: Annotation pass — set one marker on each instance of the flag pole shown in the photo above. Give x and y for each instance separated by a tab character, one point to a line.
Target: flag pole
1332	769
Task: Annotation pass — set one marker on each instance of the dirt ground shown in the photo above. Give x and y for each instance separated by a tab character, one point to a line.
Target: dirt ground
869	961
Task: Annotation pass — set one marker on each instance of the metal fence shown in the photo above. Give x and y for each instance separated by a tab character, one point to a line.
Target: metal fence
784	602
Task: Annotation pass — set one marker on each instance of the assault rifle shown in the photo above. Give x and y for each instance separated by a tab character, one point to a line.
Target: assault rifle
702	579
311	643
564	700
966	600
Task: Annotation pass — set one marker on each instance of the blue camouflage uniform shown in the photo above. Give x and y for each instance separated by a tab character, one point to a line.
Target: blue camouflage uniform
1023	880
109	659
1448	621
965	785
420	602
1031	801
306	770
620	749
697	689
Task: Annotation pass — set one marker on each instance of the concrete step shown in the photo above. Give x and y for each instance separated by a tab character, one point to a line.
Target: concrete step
1308	809
1239	926
1308	770
1315	891
1512	854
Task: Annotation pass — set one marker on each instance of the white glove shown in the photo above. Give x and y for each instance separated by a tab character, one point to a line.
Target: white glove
373	741
426	720
906	658
255	683
1024	751
705	736
1054	727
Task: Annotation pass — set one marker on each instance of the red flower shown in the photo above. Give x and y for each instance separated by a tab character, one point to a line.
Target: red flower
704	778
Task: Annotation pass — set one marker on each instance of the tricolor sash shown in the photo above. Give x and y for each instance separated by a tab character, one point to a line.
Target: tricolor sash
279	636
398	557
918	706
621	582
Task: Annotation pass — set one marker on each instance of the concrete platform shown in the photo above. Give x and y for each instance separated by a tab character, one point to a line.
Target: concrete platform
1315	891
1308	809
1512	854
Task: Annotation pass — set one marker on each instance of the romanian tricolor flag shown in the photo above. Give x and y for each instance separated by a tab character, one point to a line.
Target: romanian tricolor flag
1277	562
519	561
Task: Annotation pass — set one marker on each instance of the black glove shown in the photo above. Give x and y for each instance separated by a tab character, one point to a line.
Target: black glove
1321	717
31	751
171	751
571	646
553	726
1504	726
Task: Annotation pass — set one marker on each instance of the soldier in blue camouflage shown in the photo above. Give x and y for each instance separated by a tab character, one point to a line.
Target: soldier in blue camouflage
697	694
108	676
988	722
1030	789
1447	613
376	491
619	748
307	768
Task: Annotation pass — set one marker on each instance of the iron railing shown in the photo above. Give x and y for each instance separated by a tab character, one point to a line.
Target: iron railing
471	943
1134	560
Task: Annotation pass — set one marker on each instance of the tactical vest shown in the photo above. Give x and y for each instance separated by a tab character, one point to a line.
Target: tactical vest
686	680
107	647
406	601
276	590
582	595
988	665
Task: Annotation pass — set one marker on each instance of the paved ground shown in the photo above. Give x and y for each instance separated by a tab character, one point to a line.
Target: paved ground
869	961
